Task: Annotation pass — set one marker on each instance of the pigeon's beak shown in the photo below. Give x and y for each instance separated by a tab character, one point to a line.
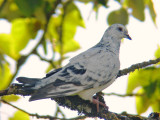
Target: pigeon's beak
128	37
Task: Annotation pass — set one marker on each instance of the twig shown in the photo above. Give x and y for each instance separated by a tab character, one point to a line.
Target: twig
137	66
47	60
123	95
41	116
30	114
59	111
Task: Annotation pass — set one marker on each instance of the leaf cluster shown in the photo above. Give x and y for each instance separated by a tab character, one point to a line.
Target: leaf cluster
148	83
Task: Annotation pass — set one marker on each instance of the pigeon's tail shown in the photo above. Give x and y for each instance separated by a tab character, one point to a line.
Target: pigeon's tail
27	84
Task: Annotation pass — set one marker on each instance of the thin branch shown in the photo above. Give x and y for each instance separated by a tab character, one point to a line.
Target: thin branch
59	111
123	95
137	66
44	59
41	116
30	114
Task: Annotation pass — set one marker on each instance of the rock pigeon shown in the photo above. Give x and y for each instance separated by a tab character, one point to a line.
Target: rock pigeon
85	74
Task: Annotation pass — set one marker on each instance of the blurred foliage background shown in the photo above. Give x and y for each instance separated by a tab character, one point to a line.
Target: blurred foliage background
58	20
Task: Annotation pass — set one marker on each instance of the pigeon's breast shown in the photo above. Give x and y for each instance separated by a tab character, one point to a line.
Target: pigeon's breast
102	71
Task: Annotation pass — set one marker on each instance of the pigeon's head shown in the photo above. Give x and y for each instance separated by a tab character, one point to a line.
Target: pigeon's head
118	31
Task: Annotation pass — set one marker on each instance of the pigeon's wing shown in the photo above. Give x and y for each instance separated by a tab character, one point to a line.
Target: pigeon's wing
81	74
53	72
52	90
66	81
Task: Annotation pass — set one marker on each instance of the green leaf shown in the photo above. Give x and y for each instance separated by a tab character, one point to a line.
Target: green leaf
28	7
152	12
22	26
27	27
118	16
21	32
156	98
73	15
14	9
157	53
1	2
150	89
11	98
40	15
5	76
156	106
143	77
19	115
10	11
2	61
142	102
133	81
64	35
6	46
69	46
53	28
155	91
137	8
149	81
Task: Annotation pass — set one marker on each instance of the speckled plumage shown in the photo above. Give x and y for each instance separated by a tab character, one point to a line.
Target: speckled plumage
85	74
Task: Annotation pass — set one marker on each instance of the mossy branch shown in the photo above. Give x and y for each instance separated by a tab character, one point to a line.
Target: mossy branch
82	106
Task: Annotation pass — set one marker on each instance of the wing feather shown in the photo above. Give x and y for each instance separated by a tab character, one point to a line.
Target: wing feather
69	80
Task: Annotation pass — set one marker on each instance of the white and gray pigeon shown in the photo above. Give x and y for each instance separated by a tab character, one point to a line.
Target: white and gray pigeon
86	74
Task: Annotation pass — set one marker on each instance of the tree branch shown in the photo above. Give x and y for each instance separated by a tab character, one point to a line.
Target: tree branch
73	103
82	106
41	116
137	66
123	95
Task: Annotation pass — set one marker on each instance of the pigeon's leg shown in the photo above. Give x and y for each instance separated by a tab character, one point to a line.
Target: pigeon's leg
97	102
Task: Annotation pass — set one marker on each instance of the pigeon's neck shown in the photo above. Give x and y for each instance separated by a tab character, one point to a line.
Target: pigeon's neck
110	45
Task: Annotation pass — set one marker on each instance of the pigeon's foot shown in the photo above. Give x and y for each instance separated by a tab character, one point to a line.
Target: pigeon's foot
97	102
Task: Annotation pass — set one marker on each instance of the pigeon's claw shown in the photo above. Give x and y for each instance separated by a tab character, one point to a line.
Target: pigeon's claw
97	102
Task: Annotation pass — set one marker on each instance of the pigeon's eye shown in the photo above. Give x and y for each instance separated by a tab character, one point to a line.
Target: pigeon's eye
120	29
